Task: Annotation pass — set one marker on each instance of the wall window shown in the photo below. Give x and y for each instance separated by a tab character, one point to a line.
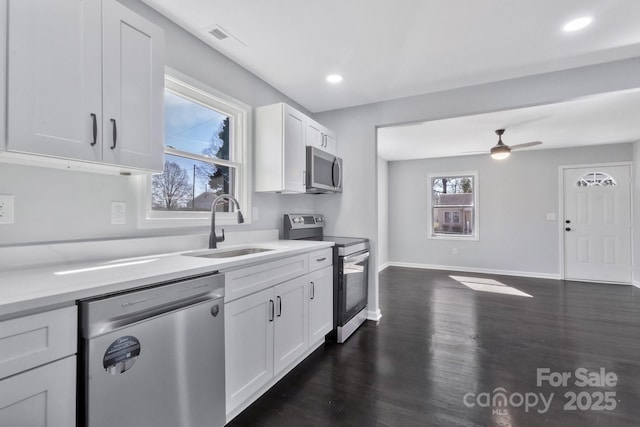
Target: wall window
453	203
206	137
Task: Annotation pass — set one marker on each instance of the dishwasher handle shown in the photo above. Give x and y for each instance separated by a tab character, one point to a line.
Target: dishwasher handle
112	324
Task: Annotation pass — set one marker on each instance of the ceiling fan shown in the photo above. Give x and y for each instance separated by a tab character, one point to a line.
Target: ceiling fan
502	151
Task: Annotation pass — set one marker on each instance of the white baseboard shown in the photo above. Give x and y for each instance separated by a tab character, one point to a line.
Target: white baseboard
374	315
383	266
636	283
476	270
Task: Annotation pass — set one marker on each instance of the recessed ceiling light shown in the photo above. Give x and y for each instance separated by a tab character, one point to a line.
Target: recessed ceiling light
334	78
578	24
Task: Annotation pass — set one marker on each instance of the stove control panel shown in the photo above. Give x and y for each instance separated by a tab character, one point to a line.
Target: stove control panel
294	221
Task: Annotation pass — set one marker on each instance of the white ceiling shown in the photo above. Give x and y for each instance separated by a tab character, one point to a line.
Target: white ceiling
387	50
602	119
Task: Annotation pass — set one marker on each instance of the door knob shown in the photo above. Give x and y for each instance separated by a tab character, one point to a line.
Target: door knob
567	229
567	221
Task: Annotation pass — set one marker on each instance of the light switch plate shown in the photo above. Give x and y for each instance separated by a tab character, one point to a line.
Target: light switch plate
551	216
118	213
6	209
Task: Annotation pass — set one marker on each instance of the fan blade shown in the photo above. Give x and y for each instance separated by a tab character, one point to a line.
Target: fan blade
474	152
525	145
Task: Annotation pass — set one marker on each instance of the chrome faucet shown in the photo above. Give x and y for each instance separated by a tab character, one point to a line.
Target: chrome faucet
213	239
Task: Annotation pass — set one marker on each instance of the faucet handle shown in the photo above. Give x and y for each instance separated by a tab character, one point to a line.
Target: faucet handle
220	238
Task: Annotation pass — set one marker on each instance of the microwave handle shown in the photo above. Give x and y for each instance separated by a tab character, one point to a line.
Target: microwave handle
336	162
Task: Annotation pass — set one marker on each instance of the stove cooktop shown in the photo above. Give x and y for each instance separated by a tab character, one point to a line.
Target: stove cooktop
345	241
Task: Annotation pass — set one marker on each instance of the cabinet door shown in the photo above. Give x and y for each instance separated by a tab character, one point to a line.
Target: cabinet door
54	77
248	345
294	151
314	134
44	396
291	335
320	137
330	142
133	67
320	304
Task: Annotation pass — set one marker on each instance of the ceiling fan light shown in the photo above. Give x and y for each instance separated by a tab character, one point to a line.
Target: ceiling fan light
500	152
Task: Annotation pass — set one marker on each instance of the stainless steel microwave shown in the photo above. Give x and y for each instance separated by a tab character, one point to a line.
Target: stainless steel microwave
324	172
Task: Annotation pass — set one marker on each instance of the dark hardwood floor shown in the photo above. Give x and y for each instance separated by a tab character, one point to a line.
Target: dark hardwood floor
438	341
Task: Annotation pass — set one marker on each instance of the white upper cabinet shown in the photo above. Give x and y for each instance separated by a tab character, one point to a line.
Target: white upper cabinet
281	136
320	137
280	149
133	81
84	76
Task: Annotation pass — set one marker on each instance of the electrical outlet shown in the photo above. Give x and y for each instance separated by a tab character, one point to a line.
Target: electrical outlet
6	209
118	213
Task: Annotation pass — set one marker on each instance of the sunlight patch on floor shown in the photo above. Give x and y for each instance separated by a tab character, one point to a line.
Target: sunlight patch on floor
489	285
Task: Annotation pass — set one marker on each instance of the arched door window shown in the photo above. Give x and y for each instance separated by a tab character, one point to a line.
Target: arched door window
596	179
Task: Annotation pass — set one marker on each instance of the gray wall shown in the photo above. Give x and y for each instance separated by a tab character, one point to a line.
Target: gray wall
383	212
60	205
355	212
515	195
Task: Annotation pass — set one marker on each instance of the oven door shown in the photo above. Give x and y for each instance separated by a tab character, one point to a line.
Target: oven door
352	286
325	172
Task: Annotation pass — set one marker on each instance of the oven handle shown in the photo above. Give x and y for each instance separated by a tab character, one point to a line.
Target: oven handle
356	258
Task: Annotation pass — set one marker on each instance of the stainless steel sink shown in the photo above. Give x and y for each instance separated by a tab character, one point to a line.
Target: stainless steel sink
222	253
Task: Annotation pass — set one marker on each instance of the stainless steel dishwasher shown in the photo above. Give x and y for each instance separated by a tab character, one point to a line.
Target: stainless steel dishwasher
154	357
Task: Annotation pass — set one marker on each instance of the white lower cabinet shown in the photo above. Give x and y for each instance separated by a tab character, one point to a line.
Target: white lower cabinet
264	333
291	337
248	330
320	303
41	397
38	369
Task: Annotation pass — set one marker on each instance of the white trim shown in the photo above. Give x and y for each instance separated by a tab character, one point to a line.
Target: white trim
561	170
374	315
383	266
476	208
242	131
636	283
536	275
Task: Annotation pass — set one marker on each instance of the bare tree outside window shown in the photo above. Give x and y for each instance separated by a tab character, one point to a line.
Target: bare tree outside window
171	189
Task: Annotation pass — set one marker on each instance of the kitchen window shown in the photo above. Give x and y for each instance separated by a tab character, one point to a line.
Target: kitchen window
453	203
206	138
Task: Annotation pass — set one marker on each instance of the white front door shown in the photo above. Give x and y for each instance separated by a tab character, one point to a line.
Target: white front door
597	224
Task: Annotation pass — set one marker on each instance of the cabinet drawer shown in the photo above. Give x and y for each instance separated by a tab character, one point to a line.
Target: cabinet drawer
320	259
245	281
42	397
30	341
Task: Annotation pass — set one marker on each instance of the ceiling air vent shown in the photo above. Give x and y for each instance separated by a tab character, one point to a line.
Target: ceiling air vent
218	33
222	34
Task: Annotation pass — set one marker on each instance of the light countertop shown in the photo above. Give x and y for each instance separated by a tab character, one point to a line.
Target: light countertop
35	288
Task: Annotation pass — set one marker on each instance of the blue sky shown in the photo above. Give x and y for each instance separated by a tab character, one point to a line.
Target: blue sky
189	126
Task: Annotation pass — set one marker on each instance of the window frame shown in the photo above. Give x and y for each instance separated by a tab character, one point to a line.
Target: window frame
240	113
475	236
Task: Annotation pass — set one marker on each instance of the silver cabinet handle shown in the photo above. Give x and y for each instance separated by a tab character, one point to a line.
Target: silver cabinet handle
272	306
313	290
279	306
321	259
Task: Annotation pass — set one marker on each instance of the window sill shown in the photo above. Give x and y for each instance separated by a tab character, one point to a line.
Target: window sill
453	237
